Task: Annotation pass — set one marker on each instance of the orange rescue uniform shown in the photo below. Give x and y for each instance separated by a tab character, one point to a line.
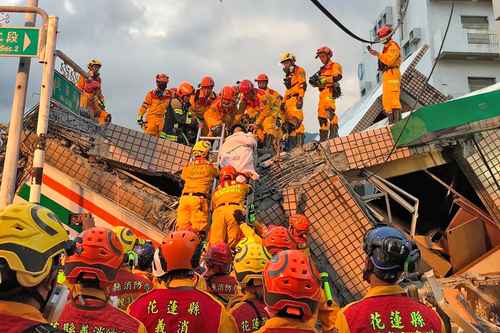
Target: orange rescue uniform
91	98
199	105
182	308
155	107
192	212
227	198
326	108
128	285
267	119
293	94
390	60
18	317
95	314
387	308
216	115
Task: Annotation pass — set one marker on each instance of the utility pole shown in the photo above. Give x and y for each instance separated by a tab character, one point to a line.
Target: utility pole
43	110
9	175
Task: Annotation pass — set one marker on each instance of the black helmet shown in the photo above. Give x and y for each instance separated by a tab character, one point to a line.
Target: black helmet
145	254
389	252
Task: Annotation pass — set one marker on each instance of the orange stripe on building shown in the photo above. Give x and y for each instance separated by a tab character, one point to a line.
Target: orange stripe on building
88	205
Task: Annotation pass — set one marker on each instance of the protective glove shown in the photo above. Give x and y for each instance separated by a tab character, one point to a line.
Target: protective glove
239	216
140	120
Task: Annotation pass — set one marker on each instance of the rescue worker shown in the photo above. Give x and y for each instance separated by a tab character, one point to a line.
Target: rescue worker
386	307
179	306
298	227
292	293
155	106
91	271
201	100
91	98
179	126
277	239
295	84
222	111
32	241
388	63
269	121
129	285
227	198
218	262
327	81
249	105
198	177
249	309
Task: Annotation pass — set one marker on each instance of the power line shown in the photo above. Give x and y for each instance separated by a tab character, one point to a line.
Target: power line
394	147
347	30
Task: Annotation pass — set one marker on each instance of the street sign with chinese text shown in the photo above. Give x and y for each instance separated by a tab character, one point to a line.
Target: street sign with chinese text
66	93
19	41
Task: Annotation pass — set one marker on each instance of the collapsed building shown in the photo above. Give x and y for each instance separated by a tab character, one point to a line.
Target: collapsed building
434	175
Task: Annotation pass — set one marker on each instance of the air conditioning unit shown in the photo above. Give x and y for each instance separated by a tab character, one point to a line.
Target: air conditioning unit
415	35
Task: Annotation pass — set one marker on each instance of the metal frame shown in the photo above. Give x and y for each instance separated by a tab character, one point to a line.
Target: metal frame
397	194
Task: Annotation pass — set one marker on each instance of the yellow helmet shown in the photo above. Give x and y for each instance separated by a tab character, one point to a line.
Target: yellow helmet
31	239
95	62
127	238
201	149
250	260
287	56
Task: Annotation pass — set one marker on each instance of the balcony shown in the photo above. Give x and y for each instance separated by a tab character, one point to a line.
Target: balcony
471	45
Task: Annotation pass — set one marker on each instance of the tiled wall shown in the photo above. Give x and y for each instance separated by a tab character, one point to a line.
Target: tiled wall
131	194
138	151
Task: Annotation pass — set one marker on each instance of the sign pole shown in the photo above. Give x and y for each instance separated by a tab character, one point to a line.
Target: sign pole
9	175
43	111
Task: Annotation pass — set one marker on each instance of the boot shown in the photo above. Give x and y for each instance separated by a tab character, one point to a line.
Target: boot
334	131
396	115
292	142
300	140
268	144
390	117
323	135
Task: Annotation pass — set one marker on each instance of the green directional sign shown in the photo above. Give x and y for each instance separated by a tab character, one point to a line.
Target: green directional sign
19	41
66	93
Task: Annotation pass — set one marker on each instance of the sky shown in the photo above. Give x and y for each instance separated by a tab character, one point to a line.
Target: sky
187	39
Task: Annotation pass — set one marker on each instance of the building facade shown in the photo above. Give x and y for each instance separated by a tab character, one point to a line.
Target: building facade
470	59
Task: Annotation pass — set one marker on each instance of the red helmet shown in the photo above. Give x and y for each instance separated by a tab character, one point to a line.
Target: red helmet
98	257
277	239
227	173
207	82
162	78
299	222
228	93
261	77
245	86
324	50
291	284
180	250
219	258
384	31
185	89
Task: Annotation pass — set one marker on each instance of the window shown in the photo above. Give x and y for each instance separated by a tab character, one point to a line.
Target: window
476	83
475	22
363	92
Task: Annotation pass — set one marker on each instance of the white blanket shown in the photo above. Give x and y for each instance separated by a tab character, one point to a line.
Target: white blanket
237	151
